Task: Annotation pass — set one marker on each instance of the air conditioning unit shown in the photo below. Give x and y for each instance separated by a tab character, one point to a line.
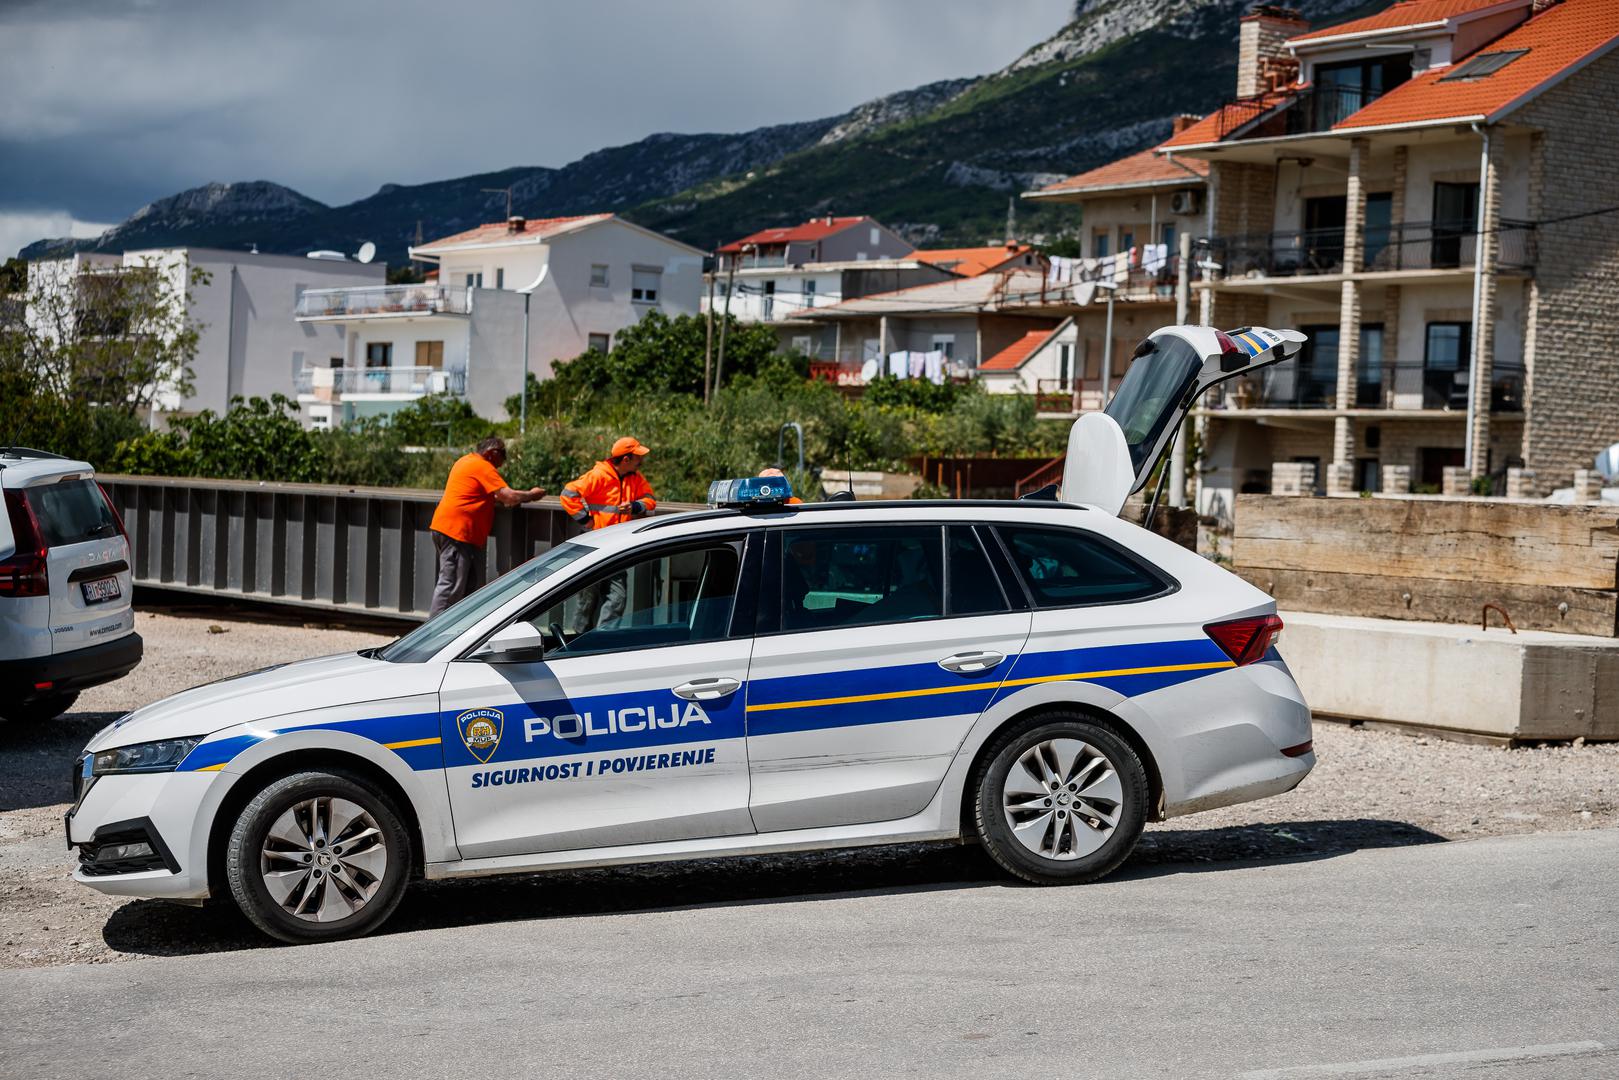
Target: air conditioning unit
1186	202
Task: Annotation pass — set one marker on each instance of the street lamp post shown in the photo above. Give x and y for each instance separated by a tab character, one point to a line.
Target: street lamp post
528	293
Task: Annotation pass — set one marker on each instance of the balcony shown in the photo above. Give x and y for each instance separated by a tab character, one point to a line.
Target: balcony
1426	389
333	384
384	300
1411	245
1308	111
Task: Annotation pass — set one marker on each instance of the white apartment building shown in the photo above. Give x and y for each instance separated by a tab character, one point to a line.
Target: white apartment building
583	279
246	347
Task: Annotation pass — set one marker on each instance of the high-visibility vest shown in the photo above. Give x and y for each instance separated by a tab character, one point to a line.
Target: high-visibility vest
595	497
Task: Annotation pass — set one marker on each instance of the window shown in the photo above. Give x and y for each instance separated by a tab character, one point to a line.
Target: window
475	280
602	343
1481	65
1369	372
598	275
424	642
767	303
430	354
1168	237
672	598
379	354
1379	228
845	577
1065	568
1100	245
1445	359
1366	475
71	512
809	292
1346	88
803	344
1065	366
945	343
1455	223
972	587
500	277
876	236
645	285
337	362
1127	240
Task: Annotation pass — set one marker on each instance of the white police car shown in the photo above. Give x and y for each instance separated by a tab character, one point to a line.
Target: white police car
1040	676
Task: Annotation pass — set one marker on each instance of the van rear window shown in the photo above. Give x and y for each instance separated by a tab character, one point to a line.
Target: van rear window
71	512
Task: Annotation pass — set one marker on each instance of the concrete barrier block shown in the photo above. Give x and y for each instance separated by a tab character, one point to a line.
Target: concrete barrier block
1292	478
1521	484
1587	486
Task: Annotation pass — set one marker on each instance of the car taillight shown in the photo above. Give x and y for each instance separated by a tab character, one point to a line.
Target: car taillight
25	573
1227	346
118	519
1246	641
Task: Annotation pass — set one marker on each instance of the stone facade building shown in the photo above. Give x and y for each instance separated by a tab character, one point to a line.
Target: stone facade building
1428	193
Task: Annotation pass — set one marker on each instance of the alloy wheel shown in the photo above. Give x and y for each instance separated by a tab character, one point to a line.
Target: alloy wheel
1062	799
323	859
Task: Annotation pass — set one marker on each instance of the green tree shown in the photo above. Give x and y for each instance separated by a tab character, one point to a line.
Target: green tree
439	420
254	440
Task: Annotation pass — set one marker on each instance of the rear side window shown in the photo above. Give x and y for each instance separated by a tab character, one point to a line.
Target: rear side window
974	589
1067	568
852	577
71	512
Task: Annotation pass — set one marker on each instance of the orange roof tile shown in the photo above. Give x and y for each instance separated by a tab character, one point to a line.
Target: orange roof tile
1558	40
1407	13
970	262
1149	167
499	232
794	234
1226	119
1013	356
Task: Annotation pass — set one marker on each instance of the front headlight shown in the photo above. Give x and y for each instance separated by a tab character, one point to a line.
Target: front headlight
160	756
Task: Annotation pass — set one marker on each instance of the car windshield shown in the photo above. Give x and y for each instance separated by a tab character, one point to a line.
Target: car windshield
1161	373
425	642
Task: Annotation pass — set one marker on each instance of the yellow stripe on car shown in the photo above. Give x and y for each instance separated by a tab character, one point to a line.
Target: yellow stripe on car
408	743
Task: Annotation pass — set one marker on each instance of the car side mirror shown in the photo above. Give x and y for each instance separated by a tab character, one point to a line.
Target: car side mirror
519	643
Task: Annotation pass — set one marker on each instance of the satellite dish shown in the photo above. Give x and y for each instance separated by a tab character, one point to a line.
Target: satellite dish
367	252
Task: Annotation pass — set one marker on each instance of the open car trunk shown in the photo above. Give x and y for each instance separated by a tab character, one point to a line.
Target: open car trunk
1111	454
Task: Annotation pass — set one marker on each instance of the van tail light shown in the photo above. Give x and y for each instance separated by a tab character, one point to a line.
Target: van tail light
117	518
25	573
1246	641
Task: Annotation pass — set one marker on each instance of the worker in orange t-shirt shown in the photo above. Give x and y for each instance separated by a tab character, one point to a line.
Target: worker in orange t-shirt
611	492
465	514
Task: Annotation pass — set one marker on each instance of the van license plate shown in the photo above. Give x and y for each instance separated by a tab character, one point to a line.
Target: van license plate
101	590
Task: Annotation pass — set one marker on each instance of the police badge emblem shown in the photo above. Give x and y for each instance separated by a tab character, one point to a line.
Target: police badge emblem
480	730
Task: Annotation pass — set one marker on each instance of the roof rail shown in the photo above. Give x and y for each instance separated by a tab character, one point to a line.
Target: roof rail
28	452
843	505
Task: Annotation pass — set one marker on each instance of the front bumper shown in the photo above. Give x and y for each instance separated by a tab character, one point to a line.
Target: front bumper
70	671
167	811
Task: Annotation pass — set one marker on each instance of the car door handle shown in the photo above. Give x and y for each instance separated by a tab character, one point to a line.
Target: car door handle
707	689
968	663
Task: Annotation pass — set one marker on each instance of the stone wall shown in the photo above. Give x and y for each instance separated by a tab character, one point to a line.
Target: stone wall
1574	388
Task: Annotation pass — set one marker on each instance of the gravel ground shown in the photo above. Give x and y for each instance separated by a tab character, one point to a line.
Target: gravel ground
1370	789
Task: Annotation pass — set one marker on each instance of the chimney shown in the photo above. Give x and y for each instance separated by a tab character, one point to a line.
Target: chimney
1261	41
1541	5
1182	122
516	224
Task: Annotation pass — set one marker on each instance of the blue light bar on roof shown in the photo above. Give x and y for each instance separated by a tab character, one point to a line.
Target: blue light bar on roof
750	491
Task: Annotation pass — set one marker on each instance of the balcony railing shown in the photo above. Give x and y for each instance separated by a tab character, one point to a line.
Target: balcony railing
384	300
1309	110
328	384
1283	387
1412	245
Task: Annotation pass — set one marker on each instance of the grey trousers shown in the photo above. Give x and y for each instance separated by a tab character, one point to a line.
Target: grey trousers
460	572
600	605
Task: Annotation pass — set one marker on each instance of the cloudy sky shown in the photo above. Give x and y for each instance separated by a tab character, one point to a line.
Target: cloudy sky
112	103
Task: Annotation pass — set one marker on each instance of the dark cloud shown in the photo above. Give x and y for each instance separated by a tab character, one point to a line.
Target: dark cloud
113	104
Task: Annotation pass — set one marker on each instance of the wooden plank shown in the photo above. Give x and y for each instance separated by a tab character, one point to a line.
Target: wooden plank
1574	547
1532	607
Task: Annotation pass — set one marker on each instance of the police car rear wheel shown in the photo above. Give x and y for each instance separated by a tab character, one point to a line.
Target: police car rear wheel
1061	801
318	856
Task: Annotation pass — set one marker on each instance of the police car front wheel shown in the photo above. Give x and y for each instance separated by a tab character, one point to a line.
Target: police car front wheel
317	856
1061	800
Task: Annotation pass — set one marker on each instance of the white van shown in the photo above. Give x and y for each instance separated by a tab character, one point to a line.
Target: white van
66	615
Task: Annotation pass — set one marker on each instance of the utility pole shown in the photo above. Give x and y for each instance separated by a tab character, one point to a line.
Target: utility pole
725	321
708	341
1183	311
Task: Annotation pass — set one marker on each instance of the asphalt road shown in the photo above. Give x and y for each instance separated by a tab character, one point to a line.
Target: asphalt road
1480	959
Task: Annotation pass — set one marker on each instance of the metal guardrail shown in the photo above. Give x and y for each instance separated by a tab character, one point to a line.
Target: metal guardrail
383	300
339	381
361	550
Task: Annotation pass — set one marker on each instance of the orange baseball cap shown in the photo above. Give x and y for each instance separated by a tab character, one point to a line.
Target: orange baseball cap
629	444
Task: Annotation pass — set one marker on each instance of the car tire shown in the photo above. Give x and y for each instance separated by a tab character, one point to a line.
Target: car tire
288	869
39	710
1060	800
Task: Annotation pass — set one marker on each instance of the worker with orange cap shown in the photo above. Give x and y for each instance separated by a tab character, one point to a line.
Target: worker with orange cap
613	491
